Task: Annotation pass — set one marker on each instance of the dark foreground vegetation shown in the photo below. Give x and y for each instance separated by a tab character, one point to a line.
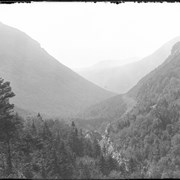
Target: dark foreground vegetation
47	149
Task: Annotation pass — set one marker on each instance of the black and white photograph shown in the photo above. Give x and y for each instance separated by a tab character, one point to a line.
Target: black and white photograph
89	90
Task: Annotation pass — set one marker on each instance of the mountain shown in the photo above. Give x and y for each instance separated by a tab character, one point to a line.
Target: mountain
100	66
122	78
163	80
102	73
40	82
148	136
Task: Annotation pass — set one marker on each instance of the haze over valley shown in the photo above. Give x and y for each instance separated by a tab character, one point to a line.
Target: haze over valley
120	78
91	94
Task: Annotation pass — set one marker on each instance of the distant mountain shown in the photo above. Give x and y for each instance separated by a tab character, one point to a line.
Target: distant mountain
122	78
40	82
102	73
105	65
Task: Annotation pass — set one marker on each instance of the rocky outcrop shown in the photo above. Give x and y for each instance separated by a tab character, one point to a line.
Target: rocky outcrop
109	148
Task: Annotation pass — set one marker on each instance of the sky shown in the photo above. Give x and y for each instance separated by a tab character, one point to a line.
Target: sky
80	34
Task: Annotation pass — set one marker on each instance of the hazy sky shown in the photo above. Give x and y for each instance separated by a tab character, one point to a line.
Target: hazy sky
81	34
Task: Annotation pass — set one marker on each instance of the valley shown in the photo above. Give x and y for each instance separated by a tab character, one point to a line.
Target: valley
55	124
121	78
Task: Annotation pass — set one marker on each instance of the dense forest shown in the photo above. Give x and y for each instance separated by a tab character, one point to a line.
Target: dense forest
149	137
47	149
147	143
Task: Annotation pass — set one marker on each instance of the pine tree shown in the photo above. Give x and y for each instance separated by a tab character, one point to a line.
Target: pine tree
46	131
64	161
81	143
88	149
34	130
102	164
96	148
73	124
73	140
8	124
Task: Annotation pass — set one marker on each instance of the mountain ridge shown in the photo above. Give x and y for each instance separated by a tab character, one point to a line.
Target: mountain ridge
40	82
166	70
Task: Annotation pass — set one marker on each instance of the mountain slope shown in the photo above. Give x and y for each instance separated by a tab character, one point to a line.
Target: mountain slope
149	135
40	82
159	82
122	78
98	116
107	109
157	94
162	80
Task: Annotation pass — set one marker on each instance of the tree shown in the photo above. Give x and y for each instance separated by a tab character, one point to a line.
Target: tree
73	124
176	145
34	130
96	148
46	133
64	162
88	149
87	168
74	141
102	165
8	122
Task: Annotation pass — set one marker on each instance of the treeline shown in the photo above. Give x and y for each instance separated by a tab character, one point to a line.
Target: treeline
47	149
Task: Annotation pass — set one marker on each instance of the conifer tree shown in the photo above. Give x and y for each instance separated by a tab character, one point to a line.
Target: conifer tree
102	164
96	148
8	124
33	129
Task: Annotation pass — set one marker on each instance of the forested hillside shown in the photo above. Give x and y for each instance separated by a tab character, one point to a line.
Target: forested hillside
161	81
97	117
149	135
37	148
